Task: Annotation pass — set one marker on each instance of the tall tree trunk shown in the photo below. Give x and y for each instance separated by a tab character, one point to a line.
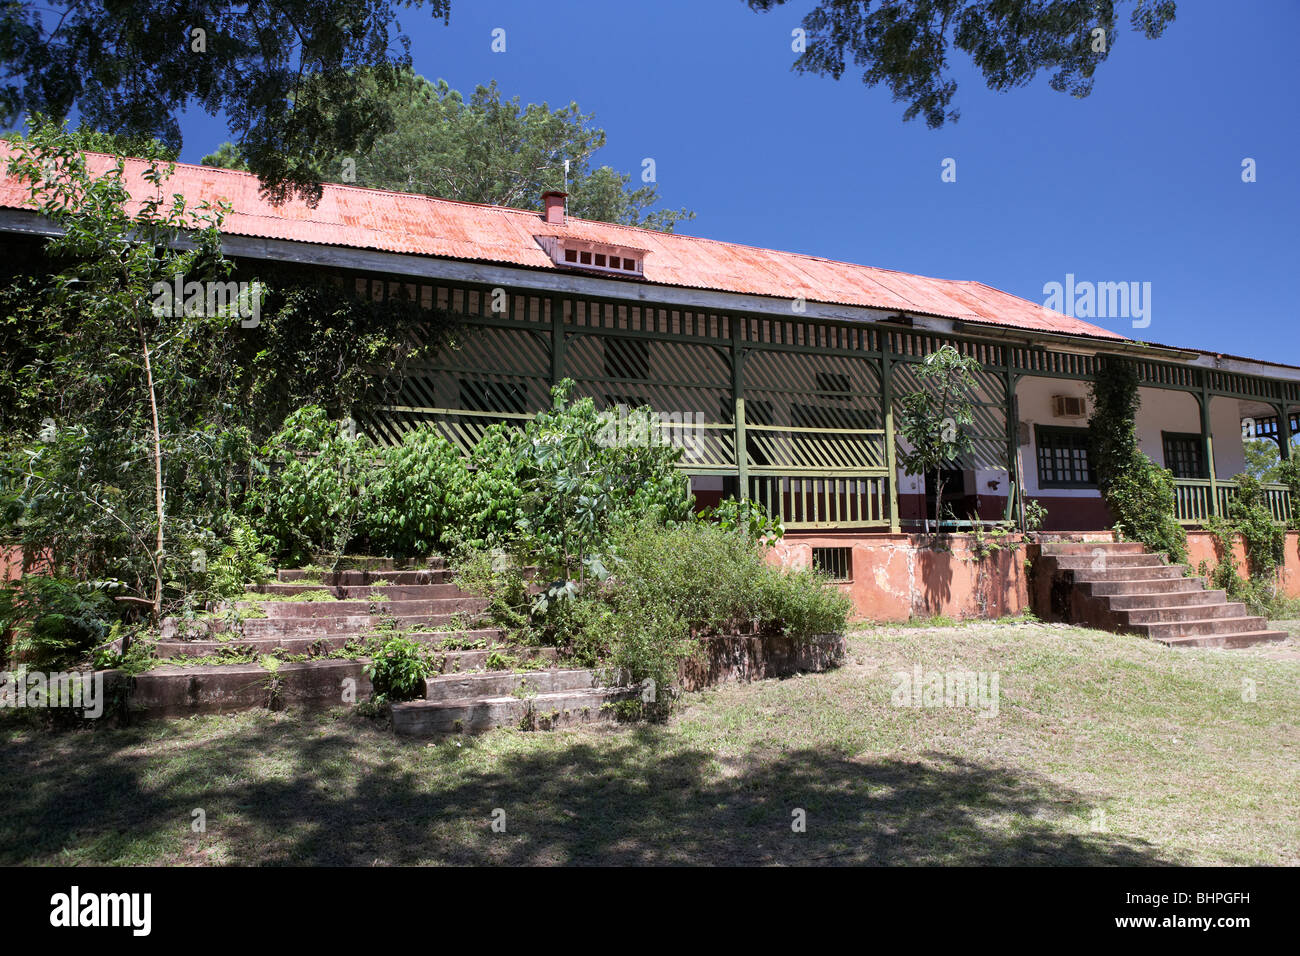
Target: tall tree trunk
157	478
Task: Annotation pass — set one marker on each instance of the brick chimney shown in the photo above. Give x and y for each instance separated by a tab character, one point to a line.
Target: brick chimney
554	204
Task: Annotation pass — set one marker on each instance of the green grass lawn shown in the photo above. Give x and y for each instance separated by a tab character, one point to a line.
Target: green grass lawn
1159	741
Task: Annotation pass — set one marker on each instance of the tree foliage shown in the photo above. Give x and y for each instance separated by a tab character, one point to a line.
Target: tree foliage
489	150
282	72
906	44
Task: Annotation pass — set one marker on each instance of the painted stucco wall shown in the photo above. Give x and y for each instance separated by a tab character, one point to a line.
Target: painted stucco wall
897	577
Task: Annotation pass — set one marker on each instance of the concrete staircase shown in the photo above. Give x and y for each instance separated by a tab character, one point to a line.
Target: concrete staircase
473	689
1121	586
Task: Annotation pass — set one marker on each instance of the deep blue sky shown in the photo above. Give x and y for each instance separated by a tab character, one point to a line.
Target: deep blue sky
1139	182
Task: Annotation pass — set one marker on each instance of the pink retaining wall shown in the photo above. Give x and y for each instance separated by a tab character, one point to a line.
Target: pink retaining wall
896	577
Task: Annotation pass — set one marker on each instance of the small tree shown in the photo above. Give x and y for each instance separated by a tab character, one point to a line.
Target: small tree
936	417
124	366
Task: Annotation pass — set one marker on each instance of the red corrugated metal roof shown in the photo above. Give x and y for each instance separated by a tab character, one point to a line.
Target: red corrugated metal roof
421	225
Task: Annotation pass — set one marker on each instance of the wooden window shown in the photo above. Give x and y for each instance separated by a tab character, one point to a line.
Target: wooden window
1063	458
1184	454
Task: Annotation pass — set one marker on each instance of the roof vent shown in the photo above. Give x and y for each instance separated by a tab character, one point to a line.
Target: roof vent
554	203
583	254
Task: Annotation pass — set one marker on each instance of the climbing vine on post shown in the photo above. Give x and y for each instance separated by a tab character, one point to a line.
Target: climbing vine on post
1139	493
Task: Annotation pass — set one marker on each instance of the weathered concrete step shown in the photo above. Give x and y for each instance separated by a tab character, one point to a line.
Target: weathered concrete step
358	578
1163	572
459	662
1132	602
428	718
1089	547
284	610
317	644
1105	561
1154	586
1183	612
1239	639
181	691
401	592
352	624
501	683
1219	625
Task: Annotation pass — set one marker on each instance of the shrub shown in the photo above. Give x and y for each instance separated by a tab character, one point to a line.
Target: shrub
802	604
670	581
312	491
746	516
494	499
398	669
418	497
240	563
53	622
499	578
580	487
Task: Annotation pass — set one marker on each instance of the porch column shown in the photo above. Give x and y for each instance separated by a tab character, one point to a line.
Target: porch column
557	340
891	454
1016	505
738	404
1284	432
1208	439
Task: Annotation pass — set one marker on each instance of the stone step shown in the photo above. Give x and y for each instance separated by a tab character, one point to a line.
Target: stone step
428	718
1106	561
1089	547
1185	612
358	578
1132	602
503	683
1238	639
283	610
1153	586
352	624
1162	572
1203	626
322	644
402	592
460	662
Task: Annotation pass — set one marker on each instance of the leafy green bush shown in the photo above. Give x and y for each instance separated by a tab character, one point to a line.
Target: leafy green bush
312	493
1250	516
241	562
579	487
494	499
398	669
496	576
746	516
802	604
53	622
670	582
417	499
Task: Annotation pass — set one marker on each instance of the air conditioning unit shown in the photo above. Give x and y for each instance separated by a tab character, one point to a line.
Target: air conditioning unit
1069	406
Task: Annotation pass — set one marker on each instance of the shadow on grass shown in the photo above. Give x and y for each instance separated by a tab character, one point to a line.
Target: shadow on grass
625	797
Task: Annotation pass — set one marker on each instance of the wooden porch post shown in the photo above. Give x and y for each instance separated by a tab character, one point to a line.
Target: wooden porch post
891	454
1013	448
557	340
738	403
1284	431
1208	439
